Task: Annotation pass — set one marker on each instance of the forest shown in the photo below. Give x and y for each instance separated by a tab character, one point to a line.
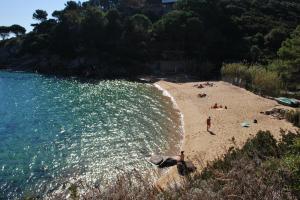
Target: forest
119	38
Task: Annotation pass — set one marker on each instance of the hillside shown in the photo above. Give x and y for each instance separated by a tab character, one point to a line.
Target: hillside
123	38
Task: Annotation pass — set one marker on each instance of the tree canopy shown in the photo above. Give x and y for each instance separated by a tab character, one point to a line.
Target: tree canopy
289	53
16	29
131	33
40	15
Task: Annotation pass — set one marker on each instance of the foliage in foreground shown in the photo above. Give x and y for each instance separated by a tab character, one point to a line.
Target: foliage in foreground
293	116
263	169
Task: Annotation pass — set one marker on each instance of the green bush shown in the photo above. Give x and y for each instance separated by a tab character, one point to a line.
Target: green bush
262	145
257	78
267	82
234	70
292	162
293	116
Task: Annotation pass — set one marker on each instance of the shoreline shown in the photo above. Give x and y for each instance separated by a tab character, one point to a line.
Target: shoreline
202	147
176	107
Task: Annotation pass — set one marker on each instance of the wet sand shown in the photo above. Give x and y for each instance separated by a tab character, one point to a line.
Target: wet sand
198	143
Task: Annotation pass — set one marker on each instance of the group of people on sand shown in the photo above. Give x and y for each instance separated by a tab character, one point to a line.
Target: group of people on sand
216	106
207	84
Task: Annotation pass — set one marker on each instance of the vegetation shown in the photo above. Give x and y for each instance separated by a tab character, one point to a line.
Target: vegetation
263	169
113	38
256	78
15	29
289	55
280	74
119	37
293	116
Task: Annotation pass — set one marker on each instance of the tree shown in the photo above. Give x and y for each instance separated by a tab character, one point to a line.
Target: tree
138	28
275	37
72	5
290	53
140	23
40	15
171	29
93	26
255	53
17	29
137	36
4	32
114	25
290	49
104	4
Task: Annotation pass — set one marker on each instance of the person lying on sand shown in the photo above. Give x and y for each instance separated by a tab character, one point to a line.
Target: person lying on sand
209	84
199	85
202	95
216	106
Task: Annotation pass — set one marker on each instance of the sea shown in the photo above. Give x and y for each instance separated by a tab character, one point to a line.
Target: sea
56	130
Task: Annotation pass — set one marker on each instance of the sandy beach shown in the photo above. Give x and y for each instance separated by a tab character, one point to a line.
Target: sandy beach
242	105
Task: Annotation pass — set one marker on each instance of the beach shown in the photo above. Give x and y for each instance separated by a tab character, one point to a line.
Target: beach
226	130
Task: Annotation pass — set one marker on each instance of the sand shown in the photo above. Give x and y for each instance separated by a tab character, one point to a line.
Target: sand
243	105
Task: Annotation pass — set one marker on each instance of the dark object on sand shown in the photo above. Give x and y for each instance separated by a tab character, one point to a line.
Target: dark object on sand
185	167
169	162
255	121
277	113
209	84
202	95
200	86
163	161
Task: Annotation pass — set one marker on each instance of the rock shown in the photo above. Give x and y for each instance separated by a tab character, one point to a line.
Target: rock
155	159
186	167
168	162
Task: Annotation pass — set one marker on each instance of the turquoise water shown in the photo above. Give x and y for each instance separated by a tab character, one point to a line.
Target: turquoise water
54	130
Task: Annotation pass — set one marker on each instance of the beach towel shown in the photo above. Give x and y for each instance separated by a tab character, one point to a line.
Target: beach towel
245	124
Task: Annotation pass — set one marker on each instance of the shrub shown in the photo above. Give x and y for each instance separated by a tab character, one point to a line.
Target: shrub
257	78
267	82
293	116
292	162
262	145
234	70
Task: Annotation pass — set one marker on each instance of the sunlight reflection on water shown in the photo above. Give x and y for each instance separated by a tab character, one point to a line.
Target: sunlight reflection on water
52	130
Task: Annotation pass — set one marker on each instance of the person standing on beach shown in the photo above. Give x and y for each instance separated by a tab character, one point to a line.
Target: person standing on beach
181	156
208	123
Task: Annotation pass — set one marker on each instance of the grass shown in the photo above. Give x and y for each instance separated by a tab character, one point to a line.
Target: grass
255	78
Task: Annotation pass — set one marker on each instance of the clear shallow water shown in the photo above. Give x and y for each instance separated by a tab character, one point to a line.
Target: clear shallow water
53	130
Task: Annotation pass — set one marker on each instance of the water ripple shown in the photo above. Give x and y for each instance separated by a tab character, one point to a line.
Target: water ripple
54	130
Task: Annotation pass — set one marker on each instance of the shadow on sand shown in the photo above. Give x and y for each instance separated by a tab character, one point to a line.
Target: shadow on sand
212	133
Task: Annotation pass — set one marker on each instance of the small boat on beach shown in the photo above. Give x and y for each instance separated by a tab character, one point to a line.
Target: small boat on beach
288	102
